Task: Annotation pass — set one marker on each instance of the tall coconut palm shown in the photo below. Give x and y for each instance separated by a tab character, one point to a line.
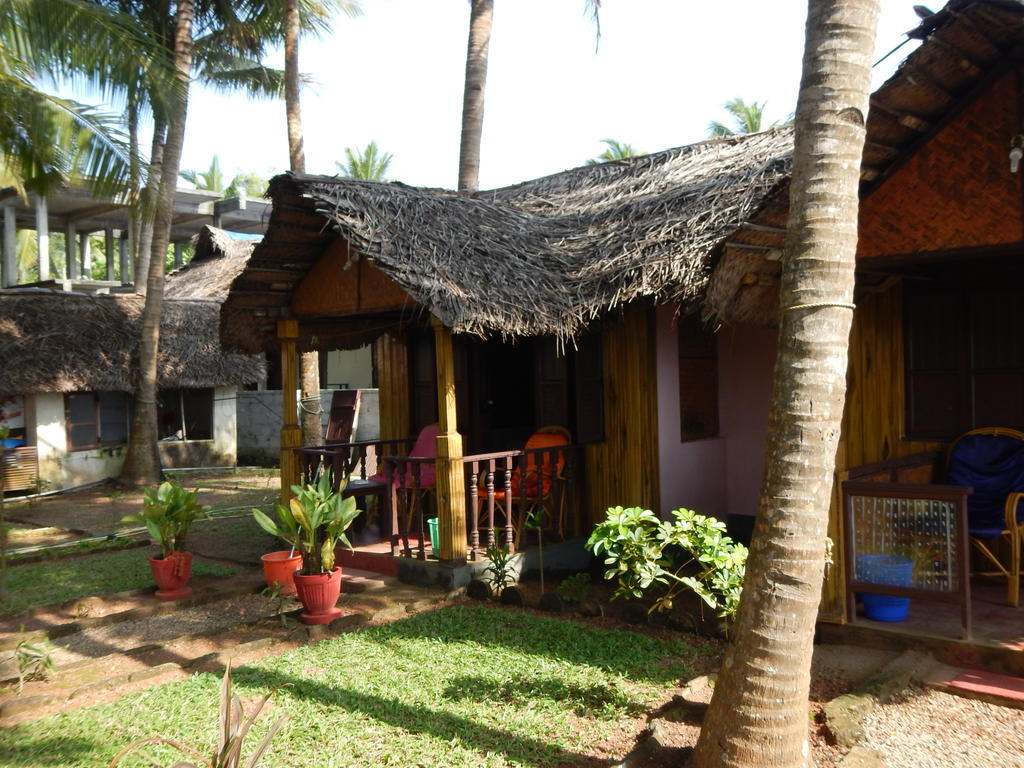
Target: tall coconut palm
758	715
614	150
481	17
747	118
368	164
316	15
142	462
211	180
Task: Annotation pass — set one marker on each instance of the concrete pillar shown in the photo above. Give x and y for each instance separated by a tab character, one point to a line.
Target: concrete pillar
43	237
177	255
70	251
108	249
9	262
85	253
122	256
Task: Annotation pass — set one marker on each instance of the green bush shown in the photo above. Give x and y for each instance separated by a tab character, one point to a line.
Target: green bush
648	555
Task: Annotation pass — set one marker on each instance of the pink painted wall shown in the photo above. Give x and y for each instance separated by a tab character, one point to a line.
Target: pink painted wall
746	357
718	476
692	474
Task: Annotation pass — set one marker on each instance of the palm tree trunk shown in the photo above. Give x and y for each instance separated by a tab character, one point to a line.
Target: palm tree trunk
296	151
480	20
309	362
148	207
759	713
142	463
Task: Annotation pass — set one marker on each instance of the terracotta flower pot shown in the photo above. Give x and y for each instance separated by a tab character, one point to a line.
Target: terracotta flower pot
318	595
279	567
171	574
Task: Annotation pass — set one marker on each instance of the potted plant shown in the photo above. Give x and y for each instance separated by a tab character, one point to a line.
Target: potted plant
167	512
314	522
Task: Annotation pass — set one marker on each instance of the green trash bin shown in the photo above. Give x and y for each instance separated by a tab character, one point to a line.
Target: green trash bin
432	527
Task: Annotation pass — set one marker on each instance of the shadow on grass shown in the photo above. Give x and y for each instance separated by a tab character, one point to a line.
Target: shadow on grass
520	750
585	700
59	750
639	657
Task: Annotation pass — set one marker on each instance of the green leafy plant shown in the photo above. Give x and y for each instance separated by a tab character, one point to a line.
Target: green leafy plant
691	551
276	594
234	727
499	568
168	512
575	588
34	661
313	522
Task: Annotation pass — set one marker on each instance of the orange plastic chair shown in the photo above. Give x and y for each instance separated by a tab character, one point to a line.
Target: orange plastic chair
537	479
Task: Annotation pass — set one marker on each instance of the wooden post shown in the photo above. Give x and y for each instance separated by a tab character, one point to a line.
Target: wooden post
10	256
451	486
108	250
291	434
43	238
177	255
70	262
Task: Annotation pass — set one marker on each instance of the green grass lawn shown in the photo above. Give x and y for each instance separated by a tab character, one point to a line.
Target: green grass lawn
57	581
460	686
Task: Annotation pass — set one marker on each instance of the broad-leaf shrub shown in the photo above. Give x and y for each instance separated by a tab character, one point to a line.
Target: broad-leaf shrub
648	555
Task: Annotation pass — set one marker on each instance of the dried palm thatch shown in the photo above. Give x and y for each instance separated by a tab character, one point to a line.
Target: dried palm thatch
550	255
544	257
218	260
54	341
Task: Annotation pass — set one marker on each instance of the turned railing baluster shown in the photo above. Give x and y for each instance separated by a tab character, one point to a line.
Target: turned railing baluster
509	536
474	528
490	503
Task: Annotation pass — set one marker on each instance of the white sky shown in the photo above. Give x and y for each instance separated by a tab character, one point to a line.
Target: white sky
395	75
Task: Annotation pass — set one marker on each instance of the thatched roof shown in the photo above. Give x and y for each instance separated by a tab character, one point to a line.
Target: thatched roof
550	255
544	257
965	47
219	258
55	341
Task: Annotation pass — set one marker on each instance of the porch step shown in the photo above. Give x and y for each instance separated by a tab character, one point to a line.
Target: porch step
991	687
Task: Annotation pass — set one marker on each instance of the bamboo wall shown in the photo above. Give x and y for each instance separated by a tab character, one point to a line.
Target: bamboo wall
393	383
873	423
623	470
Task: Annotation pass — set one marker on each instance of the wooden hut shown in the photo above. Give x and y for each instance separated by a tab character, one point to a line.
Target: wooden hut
627	252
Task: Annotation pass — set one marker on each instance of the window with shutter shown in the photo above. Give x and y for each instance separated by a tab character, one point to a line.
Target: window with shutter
964	359
698	380
95	419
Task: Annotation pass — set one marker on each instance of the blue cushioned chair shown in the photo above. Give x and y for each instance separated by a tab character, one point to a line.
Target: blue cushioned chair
991	460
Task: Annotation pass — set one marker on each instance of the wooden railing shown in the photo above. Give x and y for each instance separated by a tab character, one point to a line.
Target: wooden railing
508	493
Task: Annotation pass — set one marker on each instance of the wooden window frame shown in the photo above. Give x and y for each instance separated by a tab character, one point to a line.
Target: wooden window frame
685	328
183	421
96	423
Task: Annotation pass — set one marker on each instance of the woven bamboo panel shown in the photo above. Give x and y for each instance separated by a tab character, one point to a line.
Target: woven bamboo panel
21	469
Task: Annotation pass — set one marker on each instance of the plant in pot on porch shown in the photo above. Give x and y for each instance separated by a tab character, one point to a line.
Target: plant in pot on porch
168	511
314	522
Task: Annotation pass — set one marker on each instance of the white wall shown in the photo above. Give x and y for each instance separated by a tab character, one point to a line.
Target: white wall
349	368
692	474
59	468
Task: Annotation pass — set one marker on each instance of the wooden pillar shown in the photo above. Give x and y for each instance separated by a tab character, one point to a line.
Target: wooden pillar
291	433
43	238
451	486
70	257
108	250
177	255
85	252
9	263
